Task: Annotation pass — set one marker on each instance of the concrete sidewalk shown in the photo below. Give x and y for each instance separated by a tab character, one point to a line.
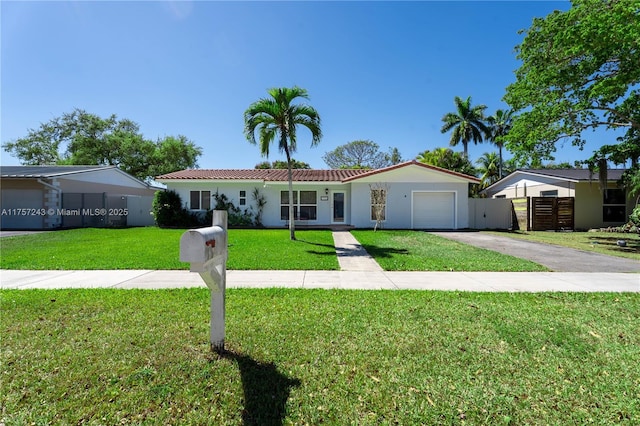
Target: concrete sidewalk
360	280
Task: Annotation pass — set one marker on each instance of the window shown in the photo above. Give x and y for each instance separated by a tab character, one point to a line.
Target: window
500	196
378	204
243	198
305	205
200	200
614	208
550	193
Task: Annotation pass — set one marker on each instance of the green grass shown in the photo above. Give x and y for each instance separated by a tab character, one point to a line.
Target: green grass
597	242
421	251
319	357
154	248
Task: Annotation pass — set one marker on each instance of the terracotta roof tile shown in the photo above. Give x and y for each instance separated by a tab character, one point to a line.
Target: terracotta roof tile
272	175
299	175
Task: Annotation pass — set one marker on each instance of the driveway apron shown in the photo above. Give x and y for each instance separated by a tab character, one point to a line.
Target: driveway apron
556	258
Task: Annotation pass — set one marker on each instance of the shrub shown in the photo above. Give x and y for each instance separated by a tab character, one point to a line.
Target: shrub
634	218
237	217
168	212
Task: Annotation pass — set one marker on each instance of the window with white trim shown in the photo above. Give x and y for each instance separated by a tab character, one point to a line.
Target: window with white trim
550	193
243	198
200	200
305	205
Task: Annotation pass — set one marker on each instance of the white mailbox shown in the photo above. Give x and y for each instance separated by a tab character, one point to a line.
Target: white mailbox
202	245
206	250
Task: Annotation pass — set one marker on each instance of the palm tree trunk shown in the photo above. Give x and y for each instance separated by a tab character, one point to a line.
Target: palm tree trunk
499	161
292	225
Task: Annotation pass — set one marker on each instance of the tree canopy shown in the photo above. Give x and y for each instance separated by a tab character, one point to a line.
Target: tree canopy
579	71
278	116
361	154
279	164
82	138
488	168
448	159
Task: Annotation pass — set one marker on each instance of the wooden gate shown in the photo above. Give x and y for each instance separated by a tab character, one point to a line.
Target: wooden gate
552	213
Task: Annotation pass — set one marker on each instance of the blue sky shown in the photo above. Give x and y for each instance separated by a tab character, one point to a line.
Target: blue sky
382	71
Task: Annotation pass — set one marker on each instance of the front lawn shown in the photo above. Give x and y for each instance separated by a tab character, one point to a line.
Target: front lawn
597	242
319	357
421	251
249	249
154	248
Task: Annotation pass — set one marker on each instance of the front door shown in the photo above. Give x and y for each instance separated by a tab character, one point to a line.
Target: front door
338	207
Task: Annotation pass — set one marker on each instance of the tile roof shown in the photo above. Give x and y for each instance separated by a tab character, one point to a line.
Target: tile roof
272	175
299	175
415	163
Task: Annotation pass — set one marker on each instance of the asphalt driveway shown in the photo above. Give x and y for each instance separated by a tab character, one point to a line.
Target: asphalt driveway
556	258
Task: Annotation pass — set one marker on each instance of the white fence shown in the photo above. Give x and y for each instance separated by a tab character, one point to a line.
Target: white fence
490	213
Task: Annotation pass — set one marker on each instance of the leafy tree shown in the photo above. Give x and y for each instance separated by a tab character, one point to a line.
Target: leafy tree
83	138
499	127
627	150
489	168
360	154
467	123
172	153
278	116
579	71
557	166
448	159
395	157
278	164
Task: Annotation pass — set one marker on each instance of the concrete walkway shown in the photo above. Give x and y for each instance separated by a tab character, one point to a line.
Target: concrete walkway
358	271
351	255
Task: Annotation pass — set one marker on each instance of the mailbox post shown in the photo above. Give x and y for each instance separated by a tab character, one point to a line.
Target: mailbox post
206	250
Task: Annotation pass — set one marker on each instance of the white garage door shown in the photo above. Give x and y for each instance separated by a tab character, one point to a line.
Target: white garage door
18	209
433	210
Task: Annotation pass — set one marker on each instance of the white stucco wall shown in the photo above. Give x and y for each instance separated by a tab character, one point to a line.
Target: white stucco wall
526	187
271	192
399	203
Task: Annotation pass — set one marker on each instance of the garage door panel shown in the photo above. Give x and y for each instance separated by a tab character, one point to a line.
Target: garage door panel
433	210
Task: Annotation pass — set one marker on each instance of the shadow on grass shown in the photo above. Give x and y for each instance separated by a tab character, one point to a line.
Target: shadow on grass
329	252
611	243
331	246
383	252
265	389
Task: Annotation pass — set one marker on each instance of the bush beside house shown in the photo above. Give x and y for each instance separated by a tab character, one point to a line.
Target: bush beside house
169	212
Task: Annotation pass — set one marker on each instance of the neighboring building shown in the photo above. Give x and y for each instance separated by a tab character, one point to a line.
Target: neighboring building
418	196
50	197
594	207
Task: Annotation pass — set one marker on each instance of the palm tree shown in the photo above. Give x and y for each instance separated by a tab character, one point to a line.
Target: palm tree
277	116
499	126
467	123
488	168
